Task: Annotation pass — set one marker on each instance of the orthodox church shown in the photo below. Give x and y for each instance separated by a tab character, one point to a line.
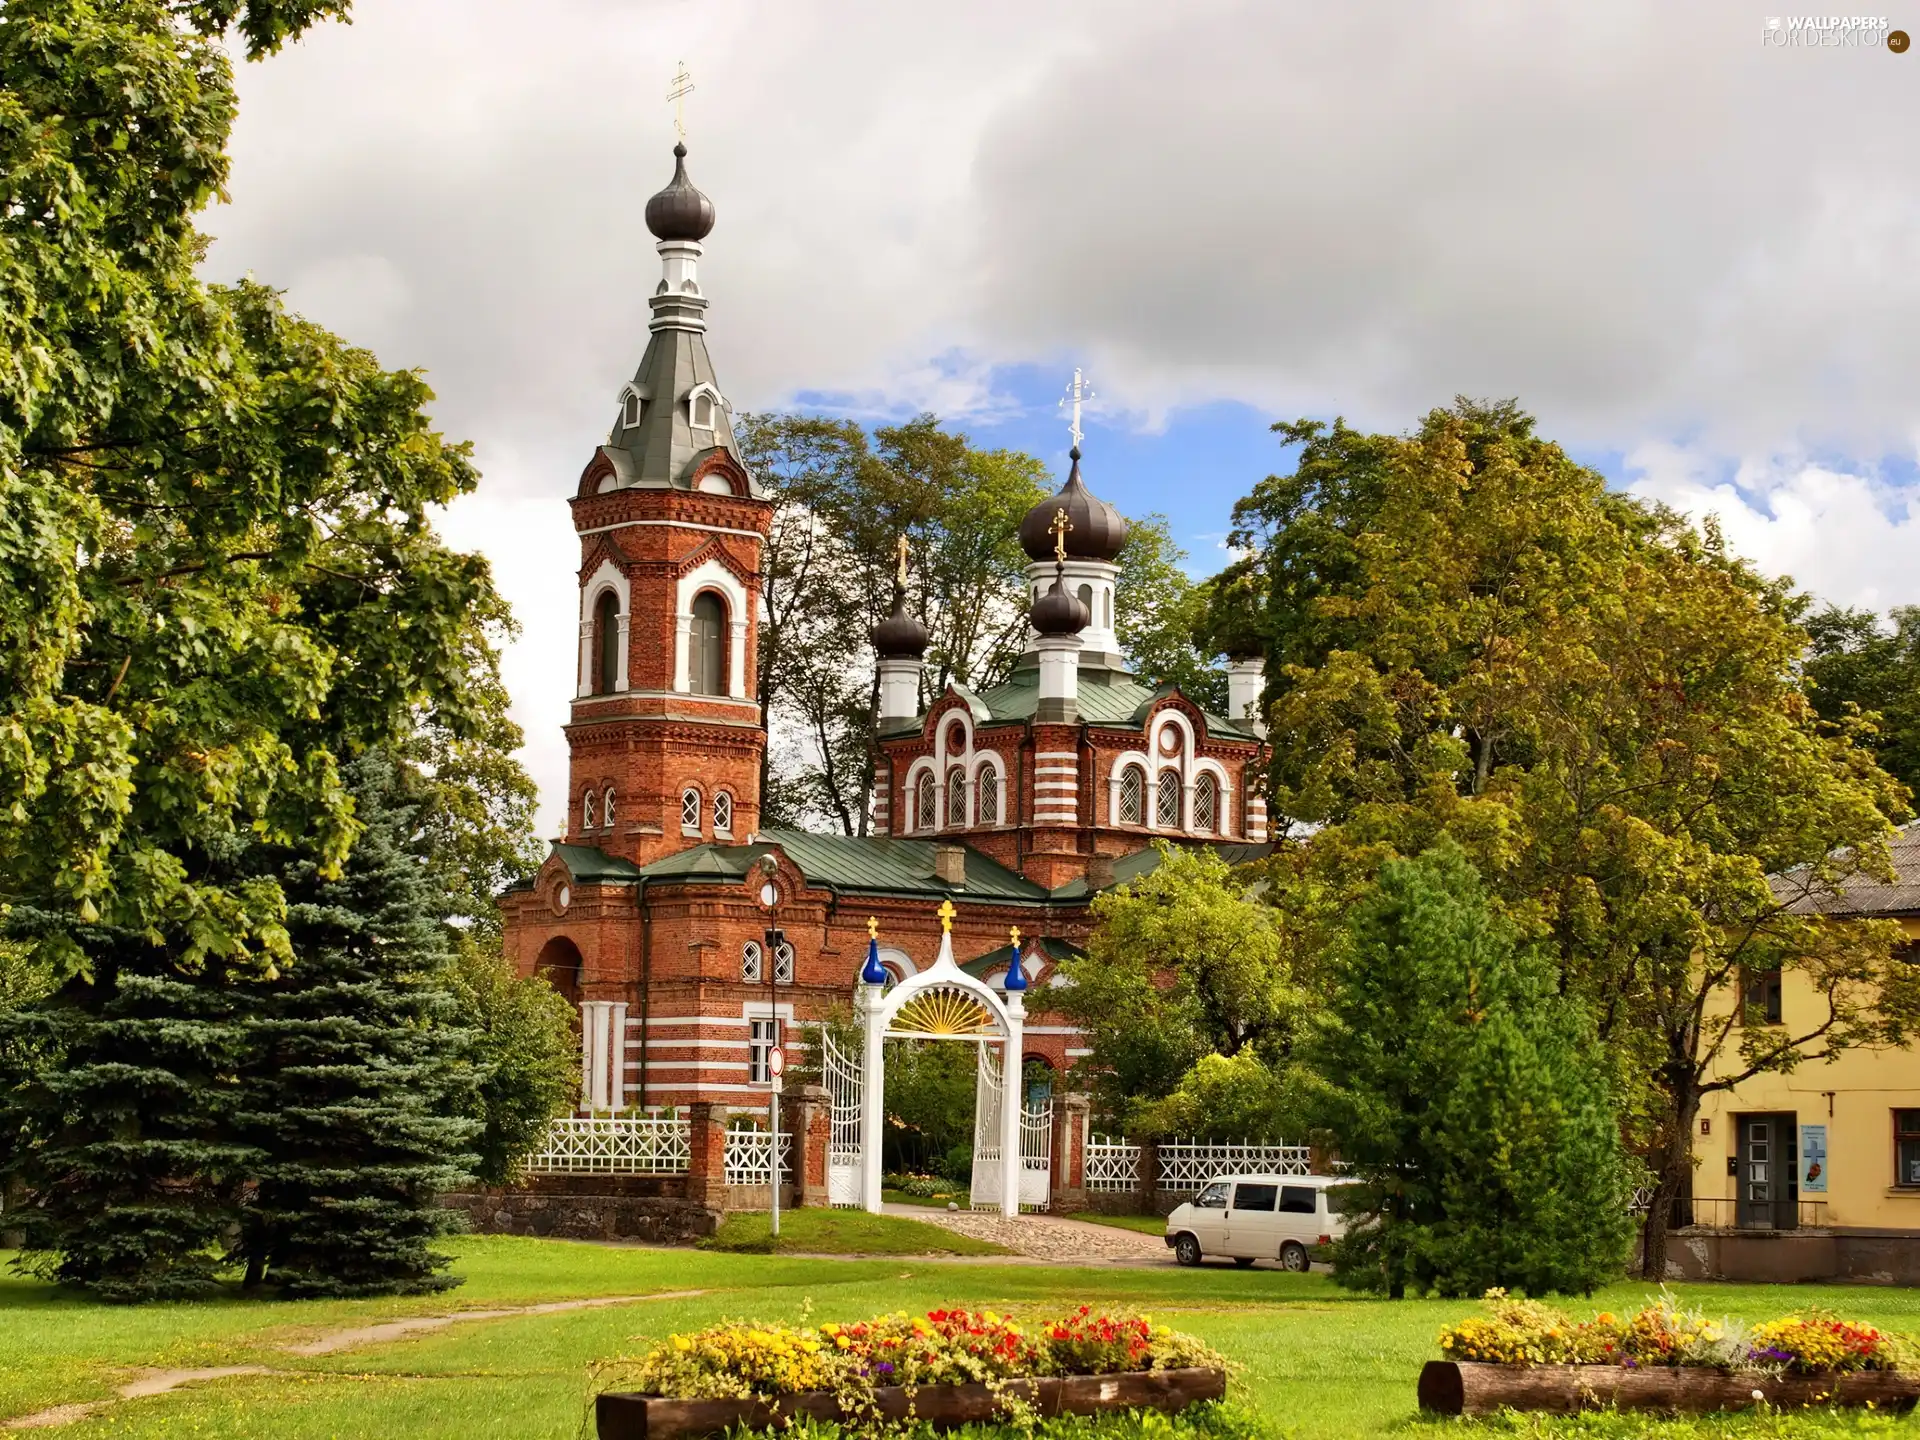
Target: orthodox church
1018	804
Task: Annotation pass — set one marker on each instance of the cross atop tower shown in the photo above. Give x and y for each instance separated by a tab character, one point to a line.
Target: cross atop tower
946	912
677	91
900	550
1077	393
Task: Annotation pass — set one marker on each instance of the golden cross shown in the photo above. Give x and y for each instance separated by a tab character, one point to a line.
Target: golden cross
873	928
1077	393
1013	933
1060	526
946	912
679	89
900	550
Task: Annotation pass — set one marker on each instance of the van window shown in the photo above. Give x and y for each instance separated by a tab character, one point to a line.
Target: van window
1345	1200
1297	1199
1214	1197
1254	1197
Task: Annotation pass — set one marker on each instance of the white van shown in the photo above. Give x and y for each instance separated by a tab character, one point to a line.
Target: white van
1256	1217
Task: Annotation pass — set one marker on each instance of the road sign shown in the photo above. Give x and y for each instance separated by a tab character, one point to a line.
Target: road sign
776	1062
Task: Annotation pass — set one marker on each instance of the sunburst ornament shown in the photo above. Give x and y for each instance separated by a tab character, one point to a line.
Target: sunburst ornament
943	1015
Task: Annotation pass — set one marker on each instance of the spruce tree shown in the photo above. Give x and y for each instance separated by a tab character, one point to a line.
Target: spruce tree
355	1087
1465	1094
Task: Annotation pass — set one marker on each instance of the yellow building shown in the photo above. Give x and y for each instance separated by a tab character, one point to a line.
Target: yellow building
1815	1173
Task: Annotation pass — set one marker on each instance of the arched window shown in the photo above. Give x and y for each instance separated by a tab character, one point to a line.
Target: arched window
722	813
750	963
783	963
1206	802
588	812
986	797
923	804
606	808
606	643
1133	796
703	411
1086	599
707	646
1166	802
956	798
690	811
631	415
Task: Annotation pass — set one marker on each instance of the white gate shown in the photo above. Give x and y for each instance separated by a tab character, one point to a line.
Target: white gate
1036	1154
844	1088
986	1131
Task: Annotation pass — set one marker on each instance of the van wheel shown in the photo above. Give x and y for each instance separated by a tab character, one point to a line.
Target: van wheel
1293	1256
1186	1250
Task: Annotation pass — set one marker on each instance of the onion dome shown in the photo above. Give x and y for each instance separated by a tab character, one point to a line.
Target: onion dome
899	636
1097	530
680	212
1060	611
1016	980
873	972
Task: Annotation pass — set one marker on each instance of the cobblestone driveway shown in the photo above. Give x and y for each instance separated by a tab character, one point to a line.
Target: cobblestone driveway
1052	1238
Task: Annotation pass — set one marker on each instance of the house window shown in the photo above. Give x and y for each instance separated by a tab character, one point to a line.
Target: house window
1906	1147
1761	992
703	411
957	798
923	805
1086	599
606	643
1206	803
783	963
723	813
630	416
690	811
761	1039
1133	796
707	642
986	797
750	970
587	811
606	808
1166	802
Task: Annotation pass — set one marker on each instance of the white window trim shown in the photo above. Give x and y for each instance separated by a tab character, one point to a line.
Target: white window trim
718	828
1115	775
693	402
990	760
922	766
710	575
632	392
607	809
606	576
700	802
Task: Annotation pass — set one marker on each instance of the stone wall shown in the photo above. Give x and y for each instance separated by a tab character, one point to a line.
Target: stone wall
590	1207
1883	1257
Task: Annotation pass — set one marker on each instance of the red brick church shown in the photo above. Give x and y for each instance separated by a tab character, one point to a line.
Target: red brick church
1017	803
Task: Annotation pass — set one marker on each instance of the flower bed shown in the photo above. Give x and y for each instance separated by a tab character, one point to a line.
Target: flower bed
947	1367
1525	1355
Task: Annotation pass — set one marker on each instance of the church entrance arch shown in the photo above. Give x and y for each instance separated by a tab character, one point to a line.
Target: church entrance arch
942	1002
559	962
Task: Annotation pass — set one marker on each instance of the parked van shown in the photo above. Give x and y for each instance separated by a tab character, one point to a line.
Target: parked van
1257	1217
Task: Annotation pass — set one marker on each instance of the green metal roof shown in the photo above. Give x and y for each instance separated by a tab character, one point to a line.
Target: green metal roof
982	966
588	863
1145	862
1104	697
871	865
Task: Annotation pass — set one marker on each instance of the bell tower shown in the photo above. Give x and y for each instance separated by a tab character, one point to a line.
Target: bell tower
665	735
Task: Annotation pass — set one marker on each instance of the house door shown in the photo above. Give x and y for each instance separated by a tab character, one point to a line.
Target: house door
1769	1177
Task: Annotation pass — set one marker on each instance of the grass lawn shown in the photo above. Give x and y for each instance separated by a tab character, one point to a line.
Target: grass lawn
1145	1224
843	1232
1317	1362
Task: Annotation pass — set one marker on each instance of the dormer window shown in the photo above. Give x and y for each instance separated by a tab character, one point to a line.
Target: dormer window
630	407
703	408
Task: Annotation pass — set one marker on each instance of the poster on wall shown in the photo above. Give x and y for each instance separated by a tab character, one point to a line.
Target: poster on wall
1813	1159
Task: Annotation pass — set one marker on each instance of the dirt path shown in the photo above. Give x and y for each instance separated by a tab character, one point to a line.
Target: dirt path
144	1383
1051	1239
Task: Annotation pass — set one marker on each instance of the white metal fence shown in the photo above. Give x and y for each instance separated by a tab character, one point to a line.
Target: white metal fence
614	1145
1113	1165
749	1157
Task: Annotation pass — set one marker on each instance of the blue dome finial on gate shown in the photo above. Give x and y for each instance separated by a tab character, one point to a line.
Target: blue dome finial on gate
1016	977
873	973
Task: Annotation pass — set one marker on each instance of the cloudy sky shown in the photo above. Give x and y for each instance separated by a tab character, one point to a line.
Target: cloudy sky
1694	254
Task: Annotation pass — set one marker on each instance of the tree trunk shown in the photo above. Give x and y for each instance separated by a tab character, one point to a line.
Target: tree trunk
1674	1182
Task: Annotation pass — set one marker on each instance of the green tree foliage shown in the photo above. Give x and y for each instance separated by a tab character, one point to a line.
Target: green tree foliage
1858	665
1232	1098
1158	613
930	1103
1464	1093
1183	962
1469	635
354	1089
524	1053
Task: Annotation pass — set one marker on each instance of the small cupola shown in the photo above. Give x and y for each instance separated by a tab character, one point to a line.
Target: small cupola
899	636
680	212
1060	611
1095	530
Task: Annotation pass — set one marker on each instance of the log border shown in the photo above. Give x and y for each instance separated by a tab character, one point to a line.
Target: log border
1461	1387
625	1416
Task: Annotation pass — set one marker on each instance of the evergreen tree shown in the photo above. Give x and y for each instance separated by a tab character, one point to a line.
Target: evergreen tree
355	1088
1466	1095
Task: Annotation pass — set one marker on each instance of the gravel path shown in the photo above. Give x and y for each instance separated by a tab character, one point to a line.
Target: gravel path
1051	1238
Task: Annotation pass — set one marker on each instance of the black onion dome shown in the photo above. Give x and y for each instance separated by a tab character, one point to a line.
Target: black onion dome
1098	530
1060	611
899	636
680	212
